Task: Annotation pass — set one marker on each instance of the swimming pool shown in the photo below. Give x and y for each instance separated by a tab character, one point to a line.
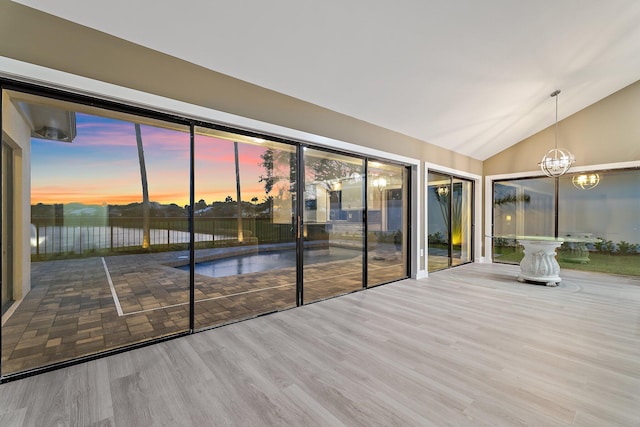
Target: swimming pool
265	261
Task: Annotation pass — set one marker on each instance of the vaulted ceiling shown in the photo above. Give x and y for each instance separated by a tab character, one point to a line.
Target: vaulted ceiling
471	76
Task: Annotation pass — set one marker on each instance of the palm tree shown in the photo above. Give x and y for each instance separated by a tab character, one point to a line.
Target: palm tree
145	191
239	202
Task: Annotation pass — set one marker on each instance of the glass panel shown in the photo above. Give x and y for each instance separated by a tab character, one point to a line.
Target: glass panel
333	224
439	214
244	223
523	207
605	206
461	212
387	208
99	233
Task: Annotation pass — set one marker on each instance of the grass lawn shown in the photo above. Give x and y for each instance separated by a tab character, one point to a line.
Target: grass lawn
628	265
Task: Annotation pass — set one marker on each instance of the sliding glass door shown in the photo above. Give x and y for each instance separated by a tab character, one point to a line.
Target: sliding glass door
244	221
450	216
461	221
333	224
387	222
595	212
521	207
102	225
438	217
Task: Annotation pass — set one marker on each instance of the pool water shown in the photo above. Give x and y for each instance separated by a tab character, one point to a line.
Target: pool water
265	261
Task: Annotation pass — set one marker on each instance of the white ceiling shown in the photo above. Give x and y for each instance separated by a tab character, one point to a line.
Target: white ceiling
468	75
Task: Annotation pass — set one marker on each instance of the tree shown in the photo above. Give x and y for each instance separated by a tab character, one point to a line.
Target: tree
145	191
281	165
239	200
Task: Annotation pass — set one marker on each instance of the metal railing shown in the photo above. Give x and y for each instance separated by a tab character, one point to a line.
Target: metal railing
81	236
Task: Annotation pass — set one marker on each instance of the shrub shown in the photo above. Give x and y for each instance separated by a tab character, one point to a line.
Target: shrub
626	248
605	246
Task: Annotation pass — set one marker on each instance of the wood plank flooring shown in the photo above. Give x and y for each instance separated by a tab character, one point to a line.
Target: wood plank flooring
466	346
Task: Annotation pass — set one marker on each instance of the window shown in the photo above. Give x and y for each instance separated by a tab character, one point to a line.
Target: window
600	224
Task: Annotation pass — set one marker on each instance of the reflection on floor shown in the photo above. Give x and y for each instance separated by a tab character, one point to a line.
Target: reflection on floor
436	262
83	306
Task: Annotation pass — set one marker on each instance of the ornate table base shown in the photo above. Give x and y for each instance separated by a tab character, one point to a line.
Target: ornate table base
539	263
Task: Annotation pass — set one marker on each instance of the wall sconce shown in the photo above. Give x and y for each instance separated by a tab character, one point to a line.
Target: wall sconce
585	181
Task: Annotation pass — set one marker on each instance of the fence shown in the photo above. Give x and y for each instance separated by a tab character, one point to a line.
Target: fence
80	236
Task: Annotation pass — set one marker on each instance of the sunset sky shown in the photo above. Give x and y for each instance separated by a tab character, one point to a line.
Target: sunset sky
101	166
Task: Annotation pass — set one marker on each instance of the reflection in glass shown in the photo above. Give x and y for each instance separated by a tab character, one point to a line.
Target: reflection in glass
244	222
461	214
609	212
107	220
450	212
333	224
523	207
7	298
438	214
387	206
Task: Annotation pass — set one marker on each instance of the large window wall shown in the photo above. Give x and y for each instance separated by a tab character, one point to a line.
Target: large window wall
123	226
596	213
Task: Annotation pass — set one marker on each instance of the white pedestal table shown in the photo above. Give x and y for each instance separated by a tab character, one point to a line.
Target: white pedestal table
539	263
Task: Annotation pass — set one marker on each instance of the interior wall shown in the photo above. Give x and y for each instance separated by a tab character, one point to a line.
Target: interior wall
17	133
603	133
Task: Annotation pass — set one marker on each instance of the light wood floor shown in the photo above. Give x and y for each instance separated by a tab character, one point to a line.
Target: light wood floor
467	346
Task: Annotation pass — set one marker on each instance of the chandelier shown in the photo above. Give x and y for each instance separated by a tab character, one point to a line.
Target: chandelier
442	190
557	161
585	181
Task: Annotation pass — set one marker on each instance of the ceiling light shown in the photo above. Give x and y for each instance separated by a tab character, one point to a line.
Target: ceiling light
557	161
